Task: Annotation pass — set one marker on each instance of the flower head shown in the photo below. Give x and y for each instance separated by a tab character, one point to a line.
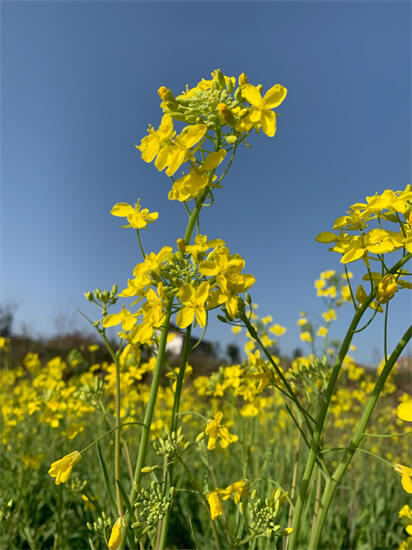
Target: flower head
215	430
61	469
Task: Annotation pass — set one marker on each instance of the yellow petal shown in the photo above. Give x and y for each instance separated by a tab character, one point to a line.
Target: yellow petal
201	316
112	320
202	292
352	255
407	483
185	317
213	160
191	135
122	210
274	96
252	95
326	237
404	411
268	122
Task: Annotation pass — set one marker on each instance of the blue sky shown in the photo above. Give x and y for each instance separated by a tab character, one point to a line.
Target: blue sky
79	83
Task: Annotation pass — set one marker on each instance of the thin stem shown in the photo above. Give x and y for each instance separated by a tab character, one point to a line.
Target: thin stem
144	440
291	394
117	439
140	243
173	429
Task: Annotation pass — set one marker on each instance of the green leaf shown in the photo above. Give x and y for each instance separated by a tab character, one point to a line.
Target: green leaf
106	478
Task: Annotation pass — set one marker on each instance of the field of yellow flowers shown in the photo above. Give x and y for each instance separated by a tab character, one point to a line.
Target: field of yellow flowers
135	452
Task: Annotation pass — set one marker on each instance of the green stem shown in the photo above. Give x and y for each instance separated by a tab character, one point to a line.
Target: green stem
144	440
117	440
140	243
173	429
313	453
333	483
290	393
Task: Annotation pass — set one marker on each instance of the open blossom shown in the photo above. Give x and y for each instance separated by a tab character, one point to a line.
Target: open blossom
215	430
61	469
137	218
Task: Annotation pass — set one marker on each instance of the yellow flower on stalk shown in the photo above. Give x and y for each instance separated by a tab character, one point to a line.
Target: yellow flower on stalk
322	331
387	287
277	330
406	477
137	218
116	534
127	319
190	185
329	315
306	336
62	468
404	411
240	489
215	430
261	114
174	155
194	301
151	144
215	504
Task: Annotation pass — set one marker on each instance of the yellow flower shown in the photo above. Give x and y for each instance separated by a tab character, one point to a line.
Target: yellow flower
151	144
215	431
305	336
240	489
174	155
322	331
387	288
116	534
136	217
61	469
215	504
277	330
327	274
236	330
190	185
194	301
266	320
406	479
127	319
261	114
404	411
329	315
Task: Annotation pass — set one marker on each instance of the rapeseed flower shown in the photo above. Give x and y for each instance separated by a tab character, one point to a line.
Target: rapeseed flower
62	468
215	430
261	114
193	300
137	218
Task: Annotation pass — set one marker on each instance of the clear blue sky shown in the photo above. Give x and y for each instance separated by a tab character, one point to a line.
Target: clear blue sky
79	83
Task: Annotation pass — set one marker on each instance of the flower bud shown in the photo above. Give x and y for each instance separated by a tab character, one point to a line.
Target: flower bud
181	245
226	114
166	94
219	78
242	79
200	437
